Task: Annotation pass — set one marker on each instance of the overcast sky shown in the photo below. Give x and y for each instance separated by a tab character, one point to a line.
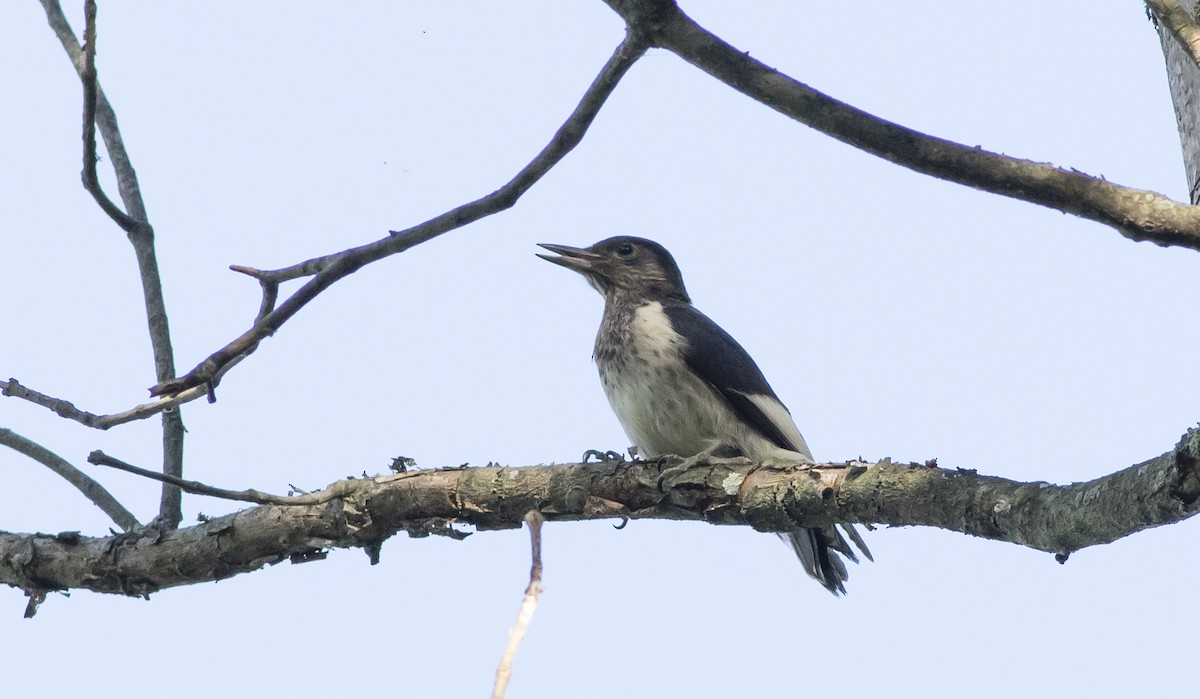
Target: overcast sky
896	315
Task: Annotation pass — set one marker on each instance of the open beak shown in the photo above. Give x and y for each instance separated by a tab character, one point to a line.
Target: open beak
579	259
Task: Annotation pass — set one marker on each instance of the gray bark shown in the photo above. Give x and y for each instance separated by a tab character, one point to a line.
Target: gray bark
1183	78
768	497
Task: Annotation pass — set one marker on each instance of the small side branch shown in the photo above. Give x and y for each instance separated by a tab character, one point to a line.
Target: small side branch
99	458
529	602
105	117
327	270
270	289
66	409
1180	23
91	489
91	182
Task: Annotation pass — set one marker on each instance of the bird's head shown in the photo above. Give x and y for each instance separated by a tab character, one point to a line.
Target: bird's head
624	266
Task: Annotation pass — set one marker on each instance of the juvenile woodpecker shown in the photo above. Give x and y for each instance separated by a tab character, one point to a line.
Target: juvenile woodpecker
682	386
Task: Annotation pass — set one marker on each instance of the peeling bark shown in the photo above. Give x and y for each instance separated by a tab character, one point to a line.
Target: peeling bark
768	497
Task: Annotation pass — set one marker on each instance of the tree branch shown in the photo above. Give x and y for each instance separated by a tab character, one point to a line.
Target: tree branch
327	270
768	497
105	117
1180	23
91	489
338	489
66	409
91	181
1137	214
136	224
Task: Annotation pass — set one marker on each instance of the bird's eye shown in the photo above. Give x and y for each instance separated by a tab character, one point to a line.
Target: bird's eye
624	249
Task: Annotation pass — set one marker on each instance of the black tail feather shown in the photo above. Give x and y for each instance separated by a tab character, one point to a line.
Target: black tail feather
819	549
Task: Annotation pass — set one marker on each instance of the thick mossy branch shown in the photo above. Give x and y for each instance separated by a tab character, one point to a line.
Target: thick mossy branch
768	497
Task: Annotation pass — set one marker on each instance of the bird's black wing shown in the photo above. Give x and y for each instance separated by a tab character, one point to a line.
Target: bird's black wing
716	357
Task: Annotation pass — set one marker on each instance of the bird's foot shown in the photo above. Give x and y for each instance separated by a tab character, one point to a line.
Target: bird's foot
706	457
603	456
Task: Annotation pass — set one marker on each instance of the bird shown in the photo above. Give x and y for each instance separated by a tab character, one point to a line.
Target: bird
680	385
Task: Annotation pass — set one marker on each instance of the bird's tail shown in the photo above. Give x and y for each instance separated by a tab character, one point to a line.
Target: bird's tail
819	549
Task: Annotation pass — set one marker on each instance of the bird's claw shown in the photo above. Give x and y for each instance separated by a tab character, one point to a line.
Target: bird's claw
706	457
603	456
671	472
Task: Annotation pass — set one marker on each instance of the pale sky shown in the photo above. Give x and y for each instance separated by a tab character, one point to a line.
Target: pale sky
896	315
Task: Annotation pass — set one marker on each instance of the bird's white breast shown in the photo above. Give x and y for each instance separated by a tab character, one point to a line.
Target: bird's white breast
662	405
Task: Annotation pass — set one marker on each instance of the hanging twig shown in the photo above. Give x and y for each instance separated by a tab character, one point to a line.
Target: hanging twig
529	602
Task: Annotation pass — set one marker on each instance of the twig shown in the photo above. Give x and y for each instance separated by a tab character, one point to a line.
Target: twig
66	409
140	233
106	118
528	605
84	483
90	180
258	497
270	289
1137	214
36	597
1180	23
329	269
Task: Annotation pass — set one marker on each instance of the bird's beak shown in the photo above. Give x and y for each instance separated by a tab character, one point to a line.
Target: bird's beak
578	259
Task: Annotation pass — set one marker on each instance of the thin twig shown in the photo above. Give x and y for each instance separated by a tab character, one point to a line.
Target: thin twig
332	268
99	458
36	597
106	118
91	182
66	409
528	605
270	289
84	483
1180	23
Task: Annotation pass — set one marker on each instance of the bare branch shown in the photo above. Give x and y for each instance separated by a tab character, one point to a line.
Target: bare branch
1058	519
137	226
91	182
105	117
91	489
1180	23
528	606
66	409
99	458
1137	214
329	269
